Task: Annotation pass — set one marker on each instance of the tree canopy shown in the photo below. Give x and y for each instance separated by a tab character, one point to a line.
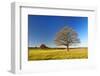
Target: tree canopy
67	37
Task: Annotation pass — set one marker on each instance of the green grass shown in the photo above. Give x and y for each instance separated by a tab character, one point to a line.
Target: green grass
55	54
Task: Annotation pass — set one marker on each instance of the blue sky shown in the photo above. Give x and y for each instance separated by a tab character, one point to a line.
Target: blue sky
43	29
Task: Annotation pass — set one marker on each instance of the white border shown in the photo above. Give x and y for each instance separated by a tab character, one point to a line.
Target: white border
19	37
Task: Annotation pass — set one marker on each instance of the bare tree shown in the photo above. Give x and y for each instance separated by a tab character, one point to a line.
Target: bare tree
67	37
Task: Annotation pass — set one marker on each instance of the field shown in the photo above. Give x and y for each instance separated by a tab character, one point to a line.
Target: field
56	54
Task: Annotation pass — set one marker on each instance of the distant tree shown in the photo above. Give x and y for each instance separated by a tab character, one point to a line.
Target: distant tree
43	46
67	37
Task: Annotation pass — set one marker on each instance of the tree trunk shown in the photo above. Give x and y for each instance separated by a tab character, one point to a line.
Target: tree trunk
68	48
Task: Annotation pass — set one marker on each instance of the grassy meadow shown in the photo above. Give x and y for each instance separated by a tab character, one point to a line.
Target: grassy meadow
57	53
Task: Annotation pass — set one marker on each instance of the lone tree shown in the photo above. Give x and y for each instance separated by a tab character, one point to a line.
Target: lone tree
67	37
